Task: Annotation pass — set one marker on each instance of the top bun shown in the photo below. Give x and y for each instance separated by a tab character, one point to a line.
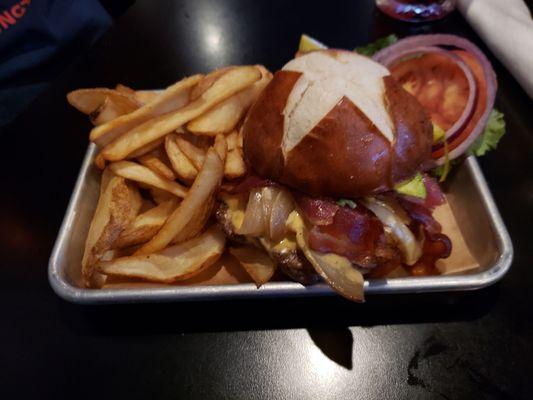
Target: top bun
335	123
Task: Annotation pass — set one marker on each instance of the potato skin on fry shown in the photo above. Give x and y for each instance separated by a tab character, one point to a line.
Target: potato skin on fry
208	81
183	167
147	147
202	193
111	109
160	196
172	98
235	166
157	164
225	116
90	100
146	225
193	147
118	204
255	262
227	85
139	173
172	264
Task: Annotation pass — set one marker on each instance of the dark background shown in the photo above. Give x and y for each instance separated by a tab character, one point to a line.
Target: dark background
449	345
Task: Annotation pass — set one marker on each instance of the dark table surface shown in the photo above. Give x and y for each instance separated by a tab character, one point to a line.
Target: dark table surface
450	346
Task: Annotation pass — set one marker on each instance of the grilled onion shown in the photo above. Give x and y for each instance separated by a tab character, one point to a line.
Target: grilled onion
253	224
281	208
408	244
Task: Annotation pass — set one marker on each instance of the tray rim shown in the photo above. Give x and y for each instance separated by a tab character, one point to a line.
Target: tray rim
79	295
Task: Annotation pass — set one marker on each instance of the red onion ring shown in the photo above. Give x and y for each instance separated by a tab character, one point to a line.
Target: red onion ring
414	43
468	111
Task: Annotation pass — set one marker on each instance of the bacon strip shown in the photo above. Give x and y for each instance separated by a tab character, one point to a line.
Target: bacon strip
420	214
354	234
358	235
436	246
318	211
434	195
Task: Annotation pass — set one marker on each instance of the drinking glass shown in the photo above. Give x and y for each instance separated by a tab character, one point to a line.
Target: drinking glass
416	10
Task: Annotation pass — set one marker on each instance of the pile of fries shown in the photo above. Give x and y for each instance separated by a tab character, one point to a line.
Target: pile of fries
164	155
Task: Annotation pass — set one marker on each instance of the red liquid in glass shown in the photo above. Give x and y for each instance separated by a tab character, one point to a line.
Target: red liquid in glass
416	10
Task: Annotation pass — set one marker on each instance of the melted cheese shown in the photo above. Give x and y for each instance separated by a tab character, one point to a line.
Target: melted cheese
341	264
338	271
237	217
236	208
295	222
284	245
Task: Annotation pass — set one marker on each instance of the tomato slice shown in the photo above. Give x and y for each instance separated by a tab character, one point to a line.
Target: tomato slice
437	82
442	89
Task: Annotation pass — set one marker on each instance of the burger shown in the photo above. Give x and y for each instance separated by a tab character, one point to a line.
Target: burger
337	150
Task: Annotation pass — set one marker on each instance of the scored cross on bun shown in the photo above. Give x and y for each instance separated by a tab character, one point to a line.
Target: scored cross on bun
335	123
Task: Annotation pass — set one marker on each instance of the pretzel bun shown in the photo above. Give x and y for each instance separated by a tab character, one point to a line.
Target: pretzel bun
335	123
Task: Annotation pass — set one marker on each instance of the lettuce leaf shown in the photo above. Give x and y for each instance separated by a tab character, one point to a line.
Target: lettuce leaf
347	203
438	133
372	48
487	141
490	137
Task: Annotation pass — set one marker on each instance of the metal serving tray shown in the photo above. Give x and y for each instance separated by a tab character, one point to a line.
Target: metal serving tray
467	192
